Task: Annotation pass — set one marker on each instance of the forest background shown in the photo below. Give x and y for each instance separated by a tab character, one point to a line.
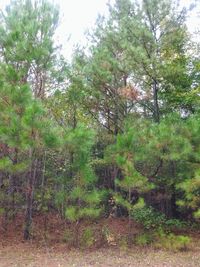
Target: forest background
114	132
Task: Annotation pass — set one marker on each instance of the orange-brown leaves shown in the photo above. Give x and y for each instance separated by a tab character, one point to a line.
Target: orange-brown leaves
129	92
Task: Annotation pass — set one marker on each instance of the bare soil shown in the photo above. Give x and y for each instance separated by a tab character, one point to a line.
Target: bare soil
28	255
47	249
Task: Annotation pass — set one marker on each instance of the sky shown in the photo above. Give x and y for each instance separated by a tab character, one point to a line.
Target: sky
78	15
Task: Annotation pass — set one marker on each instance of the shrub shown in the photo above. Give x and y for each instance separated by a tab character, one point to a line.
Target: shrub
87	239
148	217
152	219
171	224
69	237
171	241
144	239
124	243
108	237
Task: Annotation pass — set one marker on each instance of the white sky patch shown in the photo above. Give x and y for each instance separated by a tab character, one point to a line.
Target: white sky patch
76	16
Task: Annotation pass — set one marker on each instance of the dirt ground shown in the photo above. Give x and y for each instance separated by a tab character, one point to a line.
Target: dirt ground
30	256
38	252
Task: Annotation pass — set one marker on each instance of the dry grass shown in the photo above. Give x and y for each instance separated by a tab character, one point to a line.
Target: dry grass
29	255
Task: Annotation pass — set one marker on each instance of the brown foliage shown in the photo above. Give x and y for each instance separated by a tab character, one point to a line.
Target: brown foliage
129	92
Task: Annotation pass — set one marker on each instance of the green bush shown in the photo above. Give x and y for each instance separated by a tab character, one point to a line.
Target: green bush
171	241
171	224
87	239
148	217
152	219
144	239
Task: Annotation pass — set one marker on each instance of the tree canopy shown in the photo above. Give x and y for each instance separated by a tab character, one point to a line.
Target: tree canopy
118	123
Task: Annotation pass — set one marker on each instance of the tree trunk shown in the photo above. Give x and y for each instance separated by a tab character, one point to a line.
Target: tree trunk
155	102
29	199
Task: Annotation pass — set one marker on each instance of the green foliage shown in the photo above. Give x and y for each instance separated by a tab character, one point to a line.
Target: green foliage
172	242
75	213
2	211
148	217
87	239
26	30
82	200
125	155
143	239
69	237
152	219
108	236
122	115
123	243
191	188
43	199
173	224
5	163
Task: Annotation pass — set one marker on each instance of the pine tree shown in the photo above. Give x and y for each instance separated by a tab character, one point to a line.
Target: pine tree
27	58
80	197
138	62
